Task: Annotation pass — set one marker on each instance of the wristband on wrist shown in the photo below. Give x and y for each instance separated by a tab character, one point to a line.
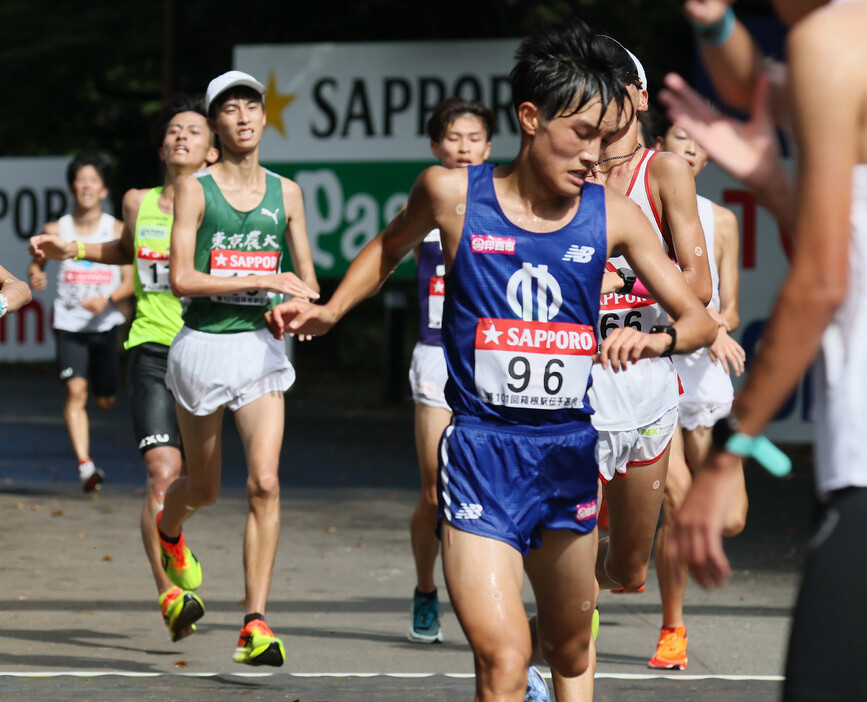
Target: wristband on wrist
108	299
672	332
726	437
628	278
80	253
716	33
4	305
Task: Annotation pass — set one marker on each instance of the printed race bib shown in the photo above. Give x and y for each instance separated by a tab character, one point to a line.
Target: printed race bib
153	270
537	365
618	311
226	263
435	299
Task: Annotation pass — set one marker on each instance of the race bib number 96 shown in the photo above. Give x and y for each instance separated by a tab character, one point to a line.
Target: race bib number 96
226	263
536	365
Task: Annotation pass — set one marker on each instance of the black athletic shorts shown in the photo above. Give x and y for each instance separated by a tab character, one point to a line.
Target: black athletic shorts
154	420
89	355
829	629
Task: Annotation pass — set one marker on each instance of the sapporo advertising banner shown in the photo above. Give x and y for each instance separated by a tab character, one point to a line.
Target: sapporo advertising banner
347	123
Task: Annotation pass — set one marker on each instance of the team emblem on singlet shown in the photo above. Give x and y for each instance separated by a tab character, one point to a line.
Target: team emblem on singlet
253	253
533	361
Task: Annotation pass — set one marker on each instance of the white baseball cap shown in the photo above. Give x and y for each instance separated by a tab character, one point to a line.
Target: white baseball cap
639	69
230	79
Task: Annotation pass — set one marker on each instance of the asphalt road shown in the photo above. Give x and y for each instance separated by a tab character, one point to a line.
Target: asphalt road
79	618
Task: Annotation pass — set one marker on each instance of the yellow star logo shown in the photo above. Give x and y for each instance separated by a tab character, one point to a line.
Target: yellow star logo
275	103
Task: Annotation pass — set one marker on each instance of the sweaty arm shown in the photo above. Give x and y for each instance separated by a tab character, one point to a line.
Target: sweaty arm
726	248
817	281
629	234
118	251
675	184
433	203
829	141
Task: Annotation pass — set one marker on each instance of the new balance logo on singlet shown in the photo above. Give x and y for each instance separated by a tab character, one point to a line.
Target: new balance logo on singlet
468	511
579	254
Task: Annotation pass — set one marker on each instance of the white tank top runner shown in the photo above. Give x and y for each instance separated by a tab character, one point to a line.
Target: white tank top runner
704	382
79	280
648	389
705	215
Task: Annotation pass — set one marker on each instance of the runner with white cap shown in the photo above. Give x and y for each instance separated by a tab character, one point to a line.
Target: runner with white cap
229	223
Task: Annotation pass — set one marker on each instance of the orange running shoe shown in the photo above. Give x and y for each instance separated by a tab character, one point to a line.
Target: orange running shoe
257	645
670	649
179	563
181	611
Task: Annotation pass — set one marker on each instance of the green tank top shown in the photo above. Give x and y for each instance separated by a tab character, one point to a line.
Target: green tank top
234	243
158	311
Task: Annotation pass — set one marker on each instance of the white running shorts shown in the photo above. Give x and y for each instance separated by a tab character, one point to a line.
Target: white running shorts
209	371
428	375
619	450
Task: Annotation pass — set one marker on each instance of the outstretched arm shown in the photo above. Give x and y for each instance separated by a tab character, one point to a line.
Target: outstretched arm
818	279
375	261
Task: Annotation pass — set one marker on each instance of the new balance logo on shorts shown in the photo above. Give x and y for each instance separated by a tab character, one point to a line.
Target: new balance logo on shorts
579	254
469	511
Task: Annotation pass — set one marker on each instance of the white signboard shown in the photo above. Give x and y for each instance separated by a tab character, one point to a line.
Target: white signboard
32	192
371	101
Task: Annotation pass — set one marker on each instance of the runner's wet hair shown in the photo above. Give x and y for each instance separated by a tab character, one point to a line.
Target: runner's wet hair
563	67
452	108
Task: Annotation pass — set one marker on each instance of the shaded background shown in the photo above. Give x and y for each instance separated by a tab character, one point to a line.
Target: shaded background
94	76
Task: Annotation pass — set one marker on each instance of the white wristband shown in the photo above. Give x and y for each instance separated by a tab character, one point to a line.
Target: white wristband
4	305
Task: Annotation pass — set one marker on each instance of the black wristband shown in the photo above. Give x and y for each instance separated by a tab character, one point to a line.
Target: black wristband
628	278
672	332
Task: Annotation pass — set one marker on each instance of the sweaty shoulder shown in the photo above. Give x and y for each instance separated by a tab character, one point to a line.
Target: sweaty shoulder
446	188
668	165
290	186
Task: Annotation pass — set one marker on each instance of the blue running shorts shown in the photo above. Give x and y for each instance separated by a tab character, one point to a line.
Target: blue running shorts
510	482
